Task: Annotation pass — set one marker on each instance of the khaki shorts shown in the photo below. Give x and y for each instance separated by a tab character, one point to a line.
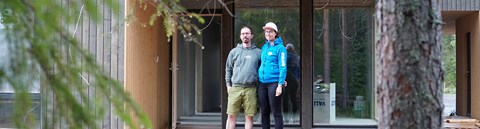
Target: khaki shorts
245	97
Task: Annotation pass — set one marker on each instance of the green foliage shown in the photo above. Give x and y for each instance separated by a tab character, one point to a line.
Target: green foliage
449	63
175	18
42	51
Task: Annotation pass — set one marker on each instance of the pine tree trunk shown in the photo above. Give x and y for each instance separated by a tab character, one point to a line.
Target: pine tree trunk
326	47
410	76
344	61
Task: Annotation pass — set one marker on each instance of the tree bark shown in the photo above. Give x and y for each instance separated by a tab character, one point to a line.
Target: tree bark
326	47
409	54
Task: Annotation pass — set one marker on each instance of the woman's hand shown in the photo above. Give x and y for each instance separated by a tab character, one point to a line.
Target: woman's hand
279	90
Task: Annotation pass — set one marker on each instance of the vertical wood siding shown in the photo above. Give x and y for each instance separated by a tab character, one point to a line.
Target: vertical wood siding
105	41
459	5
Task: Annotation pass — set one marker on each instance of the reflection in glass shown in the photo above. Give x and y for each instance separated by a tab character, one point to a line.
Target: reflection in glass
7	92
342	58
255	14
7	109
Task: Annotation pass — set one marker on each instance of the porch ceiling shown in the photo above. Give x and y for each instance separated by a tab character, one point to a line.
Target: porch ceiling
449	18
199	4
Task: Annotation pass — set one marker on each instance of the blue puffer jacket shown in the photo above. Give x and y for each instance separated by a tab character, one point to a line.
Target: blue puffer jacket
274	63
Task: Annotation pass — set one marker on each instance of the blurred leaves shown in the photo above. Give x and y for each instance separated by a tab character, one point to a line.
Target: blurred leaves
41	50
175	18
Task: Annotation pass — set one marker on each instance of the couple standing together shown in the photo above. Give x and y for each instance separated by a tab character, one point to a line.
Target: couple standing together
248	70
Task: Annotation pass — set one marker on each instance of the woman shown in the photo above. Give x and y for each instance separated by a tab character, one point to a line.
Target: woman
272	74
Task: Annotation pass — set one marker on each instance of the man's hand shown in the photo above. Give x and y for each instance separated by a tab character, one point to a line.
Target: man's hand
279	90
285	85
228	88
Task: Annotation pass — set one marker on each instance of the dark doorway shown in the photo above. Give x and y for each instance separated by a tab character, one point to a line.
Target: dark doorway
199	74
211	74
469	83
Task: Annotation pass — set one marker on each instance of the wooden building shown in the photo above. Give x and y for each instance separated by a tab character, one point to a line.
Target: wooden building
181	85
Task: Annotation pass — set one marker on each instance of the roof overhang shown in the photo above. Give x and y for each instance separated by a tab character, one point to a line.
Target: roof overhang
449	18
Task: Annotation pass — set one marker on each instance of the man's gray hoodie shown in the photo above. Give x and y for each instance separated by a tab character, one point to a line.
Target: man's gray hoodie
242	66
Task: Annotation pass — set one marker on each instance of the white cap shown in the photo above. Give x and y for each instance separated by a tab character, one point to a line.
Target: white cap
271	25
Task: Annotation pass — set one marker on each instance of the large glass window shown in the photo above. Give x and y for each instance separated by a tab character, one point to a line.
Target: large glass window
286	15
343	70
7	100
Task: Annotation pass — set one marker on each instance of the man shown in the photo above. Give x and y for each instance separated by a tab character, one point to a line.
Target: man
242	79
293	76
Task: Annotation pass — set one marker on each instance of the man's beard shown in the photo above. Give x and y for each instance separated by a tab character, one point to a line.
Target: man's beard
246	41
